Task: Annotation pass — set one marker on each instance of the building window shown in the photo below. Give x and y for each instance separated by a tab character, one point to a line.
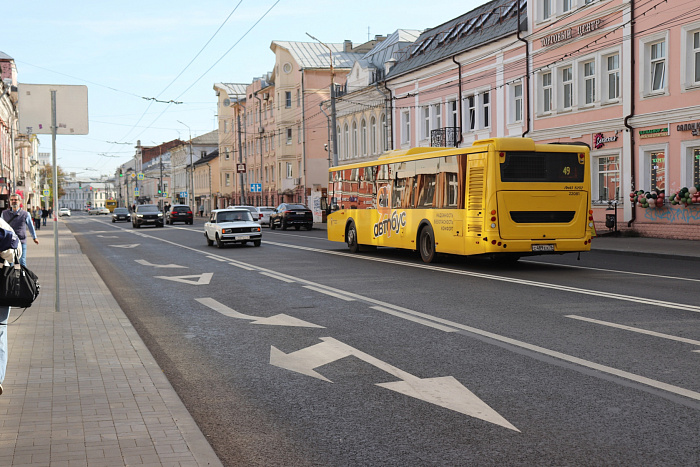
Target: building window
289	136
425	127
547	92
589	83
363	136
565	5
486	109
289	170
517	100
437	117
354	139
373	134
471	113
406	126
696	166
696	56
613	81
288	99
658	65
385	133
658	170
298	133
567	80
608	178
546	9
228	179
453	116
346	141
298	98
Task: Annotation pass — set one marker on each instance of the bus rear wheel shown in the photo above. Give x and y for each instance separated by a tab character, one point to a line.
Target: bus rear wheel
426	245
351	238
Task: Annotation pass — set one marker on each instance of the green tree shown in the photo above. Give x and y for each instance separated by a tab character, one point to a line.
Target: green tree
46	177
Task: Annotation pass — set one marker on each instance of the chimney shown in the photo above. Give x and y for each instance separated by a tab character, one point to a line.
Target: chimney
388	65
347	46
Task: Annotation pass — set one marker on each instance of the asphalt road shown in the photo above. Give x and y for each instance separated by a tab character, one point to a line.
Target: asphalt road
300	353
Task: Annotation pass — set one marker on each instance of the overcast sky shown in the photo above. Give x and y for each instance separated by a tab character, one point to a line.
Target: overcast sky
127	50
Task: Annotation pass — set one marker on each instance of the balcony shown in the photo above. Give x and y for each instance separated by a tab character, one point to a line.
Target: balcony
445	137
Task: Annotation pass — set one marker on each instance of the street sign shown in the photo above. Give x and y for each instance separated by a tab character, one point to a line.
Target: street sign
140	176
47	192
183	194
256	187
240	168
136	190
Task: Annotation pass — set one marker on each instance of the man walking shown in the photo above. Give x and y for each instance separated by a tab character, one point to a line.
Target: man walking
20	220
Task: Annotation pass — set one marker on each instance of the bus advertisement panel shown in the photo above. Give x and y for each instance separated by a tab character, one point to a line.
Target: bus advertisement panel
502	197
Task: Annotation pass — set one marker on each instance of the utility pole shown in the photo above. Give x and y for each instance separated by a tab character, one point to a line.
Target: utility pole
240	152
190	189
333	122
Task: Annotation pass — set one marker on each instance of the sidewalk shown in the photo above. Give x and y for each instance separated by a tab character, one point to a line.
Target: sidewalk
81	388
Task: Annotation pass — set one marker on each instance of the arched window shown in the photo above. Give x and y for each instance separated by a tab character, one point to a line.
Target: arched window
373	134
363	136
385	133
354	139
337	135
346	142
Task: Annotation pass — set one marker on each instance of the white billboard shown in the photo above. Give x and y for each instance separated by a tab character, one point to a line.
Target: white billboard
35	109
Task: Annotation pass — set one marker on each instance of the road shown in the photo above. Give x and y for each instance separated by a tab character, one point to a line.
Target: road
300	353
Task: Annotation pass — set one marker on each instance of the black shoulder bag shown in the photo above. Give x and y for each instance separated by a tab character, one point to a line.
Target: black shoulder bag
19	286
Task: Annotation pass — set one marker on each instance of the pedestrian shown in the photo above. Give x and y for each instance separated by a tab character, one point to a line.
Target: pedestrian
36	215
44	216
201	210
9	241
20	220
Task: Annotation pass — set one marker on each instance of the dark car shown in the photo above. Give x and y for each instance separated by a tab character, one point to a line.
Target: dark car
291	215
179	213
146	214
121	214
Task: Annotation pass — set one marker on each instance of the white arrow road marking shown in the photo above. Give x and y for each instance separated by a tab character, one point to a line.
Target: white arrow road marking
202	279
133	245
146	263
277	320
639	330
446	391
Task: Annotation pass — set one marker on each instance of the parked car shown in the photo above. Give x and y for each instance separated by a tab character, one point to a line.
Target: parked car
292	214
95	210
265	212
146	214
121	214
179	213
232	226
64	212
253	211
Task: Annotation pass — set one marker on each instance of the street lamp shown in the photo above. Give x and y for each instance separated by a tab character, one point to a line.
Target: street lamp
191	189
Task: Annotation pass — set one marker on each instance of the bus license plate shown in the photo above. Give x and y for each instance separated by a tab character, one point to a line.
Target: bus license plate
542	247
247	237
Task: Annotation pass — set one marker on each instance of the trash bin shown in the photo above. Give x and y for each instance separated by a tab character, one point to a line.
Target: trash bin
610	220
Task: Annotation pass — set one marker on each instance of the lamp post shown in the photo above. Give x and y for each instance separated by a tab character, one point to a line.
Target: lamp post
191	185
334	147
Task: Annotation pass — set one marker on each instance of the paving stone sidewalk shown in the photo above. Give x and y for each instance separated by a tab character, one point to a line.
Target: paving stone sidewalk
81	387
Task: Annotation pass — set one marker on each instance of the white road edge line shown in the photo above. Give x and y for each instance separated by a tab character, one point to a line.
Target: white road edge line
328	292
639	330
424	322
276	276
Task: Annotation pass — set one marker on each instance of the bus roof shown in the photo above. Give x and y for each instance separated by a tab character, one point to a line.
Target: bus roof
481	145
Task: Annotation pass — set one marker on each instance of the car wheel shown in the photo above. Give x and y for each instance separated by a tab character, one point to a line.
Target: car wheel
219	243
351	238
272	225
283	225
113	221
209	241
297	227
426	245
256	242
191	222
310	227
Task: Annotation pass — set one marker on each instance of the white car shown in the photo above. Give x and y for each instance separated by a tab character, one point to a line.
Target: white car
264	212
64	212
232	226
253	211
97	211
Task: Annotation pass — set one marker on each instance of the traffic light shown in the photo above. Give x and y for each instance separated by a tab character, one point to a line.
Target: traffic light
120	173
90	188
80	185
159	190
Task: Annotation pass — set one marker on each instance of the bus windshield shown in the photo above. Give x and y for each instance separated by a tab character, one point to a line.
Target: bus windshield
542	167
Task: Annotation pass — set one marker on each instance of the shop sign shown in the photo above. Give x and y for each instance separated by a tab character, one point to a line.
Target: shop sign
693	128
599	140
567	34
654	133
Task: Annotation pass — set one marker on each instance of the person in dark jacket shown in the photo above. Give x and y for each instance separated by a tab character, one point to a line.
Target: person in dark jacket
20	220
44	216
9	241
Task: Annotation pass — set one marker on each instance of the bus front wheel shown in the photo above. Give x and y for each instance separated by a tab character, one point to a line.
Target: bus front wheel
426	245
351	238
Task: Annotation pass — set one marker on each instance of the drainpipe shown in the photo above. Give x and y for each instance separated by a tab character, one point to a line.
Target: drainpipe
459	100
627	118
527	75
303	136
391	114
255	94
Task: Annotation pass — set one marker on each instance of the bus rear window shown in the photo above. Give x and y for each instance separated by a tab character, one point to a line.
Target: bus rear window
542	167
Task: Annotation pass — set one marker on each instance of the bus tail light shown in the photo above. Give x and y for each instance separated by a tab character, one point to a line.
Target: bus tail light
581	159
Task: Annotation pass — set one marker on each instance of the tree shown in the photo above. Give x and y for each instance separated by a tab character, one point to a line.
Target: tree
46	177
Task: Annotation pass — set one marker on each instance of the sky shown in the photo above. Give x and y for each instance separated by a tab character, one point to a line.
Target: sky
130	52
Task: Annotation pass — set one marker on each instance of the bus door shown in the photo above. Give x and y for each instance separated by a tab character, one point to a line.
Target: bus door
475	192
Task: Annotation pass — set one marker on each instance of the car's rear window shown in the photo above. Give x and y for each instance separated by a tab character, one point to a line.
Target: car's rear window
296	206
181	208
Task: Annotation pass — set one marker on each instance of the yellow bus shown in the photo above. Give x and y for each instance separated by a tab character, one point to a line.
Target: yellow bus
501	197
110	204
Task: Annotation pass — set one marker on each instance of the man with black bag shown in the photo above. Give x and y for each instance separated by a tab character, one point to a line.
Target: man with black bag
8	243
20	220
